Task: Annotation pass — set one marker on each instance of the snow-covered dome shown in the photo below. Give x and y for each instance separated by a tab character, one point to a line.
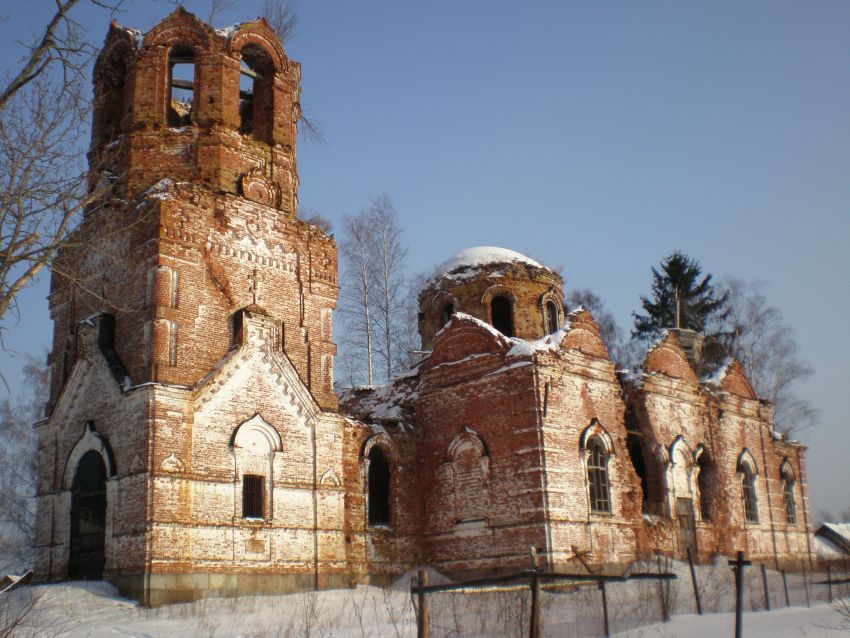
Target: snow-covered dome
482	256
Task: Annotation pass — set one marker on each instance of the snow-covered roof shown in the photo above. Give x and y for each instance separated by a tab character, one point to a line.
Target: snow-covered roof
482	256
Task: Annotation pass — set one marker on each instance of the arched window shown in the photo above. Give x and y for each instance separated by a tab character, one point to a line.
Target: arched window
748	484
256	93
378	504
552	323
254	445
181	81
502	315
705	485
788	494
597	476
448	311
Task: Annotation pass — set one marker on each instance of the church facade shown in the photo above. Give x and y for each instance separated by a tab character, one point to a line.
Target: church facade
195	445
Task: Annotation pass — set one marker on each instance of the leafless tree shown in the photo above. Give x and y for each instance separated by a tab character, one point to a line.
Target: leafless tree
43	108
764	343
374	291
622	353
315	218
388	274
17	469
357	304
281	17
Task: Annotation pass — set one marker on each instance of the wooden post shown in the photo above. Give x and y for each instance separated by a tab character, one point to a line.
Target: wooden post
604	607
738	567
785	587
764	584
805	583
423	622
829	583
694	581
665	615
534	624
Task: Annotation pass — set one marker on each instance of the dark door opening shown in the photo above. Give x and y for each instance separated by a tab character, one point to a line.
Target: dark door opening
88	519
687	526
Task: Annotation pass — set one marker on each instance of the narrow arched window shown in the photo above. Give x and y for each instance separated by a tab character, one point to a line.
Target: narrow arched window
378	503
551	317
172	343
705	485
502	315
748	484
181	82
788	494
256	93
448	311
597	476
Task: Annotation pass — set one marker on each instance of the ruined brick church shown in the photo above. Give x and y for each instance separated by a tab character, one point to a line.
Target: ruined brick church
194	444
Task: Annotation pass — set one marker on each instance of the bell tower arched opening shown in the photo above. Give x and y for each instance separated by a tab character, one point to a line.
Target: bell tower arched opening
88	519
256	93
181	83
501	314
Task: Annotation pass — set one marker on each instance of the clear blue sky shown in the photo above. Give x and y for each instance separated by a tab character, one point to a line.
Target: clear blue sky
595	136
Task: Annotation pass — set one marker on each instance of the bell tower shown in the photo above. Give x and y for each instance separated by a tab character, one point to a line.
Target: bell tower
193	191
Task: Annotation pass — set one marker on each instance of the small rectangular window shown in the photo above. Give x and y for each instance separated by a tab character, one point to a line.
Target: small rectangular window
175	288
253	496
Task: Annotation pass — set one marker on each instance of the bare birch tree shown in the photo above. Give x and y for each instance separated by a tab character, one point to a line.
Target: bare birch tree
356	309
374	293
765	345
388	274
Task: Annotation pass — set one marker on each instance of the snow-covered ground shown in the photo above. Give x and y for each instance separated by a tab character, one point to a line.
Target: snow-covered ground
93	610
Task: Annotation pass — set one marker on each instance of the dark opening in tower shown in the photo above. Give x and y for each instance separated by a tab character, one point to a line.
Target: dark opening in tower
379	488
256	94
181	82
502	315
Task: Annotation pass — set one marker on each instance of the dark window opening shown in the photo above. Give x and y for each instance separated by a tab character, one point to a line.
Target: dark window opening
502	315
636	456
181	82
790	504
705	485
256	93
236	325
748	484
379	488
88	519
448	311
597	476
111	105
551	317
253	496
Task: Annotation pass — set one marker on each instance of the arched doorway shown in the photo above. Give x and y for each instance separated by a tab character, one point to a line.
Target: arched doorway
88	519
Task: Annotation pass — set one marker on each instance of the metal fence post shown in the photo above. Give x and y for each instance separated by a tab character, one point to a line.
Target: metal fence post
785	587
534	624
829	583
805	582
764	584
665	615
694	581
738	566
423	622
604	607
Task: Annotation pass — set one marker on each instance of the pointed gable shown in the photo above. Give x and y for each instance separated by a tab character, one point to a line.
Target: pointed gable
465	336
583	334
667	357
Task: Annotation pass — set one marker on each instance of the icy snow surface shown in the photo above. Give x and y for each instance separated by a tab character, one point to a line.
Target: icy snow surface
93	610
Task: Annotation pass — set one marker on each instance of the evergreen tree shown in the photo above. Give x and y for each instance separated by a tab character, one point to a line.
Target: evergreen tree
682	297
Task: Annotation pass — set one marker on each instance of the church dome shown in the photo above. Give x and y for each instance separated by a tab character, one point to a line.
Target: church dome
514	293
